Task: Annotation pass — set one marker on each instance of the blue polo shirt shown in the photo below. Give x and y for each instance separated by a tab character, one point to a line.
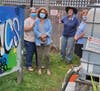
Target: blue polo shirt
70	26
81	29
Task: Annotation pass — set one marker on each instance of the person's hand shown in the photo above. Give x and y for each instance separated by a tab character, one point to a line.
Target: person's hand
58	15
76	38
89	38
32	24
58	18
43	37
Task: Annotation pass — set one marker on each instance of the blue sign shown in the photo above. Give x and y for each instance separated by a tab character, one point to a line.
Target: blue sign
11	32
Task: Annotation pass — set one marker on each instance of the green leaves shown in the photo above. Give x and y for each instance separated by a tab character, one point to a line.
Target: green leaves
93	83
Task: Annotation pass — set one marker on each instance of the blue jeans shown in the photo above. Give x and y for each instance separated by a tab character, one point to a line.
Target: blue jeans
67	46
30	51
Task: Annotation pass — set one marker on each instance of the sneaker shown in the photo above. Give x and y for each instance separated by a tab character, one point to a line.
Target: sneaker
39	72
48	72
30	69
42	66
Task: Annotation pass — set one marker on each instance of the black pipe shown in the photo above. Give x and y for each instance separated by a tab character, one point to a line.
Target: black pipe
67	78
72	71
31	3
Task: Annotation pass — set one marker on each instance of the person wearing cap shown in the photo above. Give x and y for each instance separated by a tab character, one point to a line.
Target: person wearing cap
70	23
81	30
29	38
42	31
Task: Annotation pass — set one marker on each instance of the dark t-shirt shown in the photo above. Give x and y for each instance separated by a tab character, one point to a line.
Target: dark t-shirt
70	26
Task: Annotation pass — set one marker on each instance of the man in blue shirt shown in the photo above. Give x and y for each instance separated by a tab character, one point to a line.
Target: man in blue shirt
70	23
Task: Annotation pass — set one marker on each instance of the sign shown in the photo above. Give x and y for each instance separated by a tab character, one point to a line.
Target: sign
53	12
11	31
93	44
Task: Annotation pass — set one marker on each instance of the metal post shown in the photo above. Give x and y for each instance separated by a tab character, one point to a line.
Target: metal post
31	3
97	1
93	22
19	57
0	2
19	76
47	5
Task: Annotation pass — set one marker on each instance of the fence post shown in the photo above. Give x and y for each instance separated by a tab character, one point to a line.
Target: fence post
47	5
31	3
0	2
19	57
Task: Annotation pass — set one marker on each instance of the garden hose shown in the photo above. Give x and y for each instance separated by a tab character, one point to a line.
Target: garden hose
68	76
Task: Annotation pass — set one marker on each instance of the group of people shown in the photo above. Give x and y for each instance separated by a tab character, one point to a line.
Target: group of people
73	33
37	38
38	31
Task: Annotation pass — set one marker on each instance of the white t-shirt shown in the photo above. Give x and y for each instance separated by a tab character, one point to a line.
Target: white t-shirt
29	36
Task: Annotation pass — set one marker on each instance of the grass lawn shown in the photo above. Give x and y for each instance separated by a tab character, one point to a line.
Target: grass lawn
33	82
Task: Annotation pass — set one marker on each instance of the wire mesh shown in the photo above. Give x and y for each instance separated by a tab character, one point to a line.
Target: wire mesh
15	2
75	3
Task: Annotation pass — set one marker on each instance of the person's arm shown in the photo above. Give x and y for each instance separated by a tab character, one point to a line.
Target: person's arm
80	34
50	29
58	18
76	37
36	31
28	26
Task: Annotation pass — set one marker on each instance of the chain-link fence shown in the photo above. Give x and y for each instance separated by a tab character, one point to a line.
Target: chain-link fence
15	2
58	7
55	7
75	3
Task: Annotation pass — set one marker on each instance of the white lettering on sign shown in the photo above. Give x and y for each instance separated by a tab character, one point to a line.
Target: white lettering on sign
11	33
93	44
